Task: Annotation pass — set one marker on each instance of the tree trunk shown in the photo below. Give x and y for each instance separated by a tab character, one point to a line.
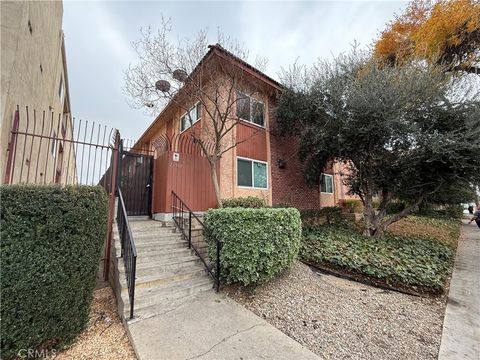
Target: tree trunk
216	186
369	216
375	224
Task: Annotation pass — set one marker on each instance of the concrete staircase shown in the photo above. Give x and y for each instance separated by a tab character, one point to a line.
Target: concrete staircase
168	273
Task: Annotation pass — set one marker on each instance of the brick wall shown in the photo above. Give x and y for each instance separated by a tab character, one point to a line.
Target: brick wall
288	185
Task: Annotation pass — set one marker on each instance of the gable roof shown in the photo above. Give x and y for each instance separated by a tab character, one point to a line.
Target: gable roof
220	51
227	55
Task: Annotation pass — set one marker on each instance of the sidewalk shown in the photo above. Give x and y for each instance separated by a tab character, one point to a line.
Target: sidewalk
461	326
212	326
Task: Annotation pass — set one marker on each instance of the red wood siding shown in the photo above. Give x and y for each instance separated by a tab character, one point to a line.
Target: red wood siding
189	178
255	146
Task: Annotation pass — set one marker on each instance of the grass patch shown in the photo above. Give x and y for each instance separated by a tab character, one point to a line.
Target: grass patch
418	263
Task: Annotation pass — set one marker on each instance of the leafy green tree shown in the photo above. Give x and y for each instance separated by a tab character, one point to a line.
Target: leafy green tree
404	132
453	193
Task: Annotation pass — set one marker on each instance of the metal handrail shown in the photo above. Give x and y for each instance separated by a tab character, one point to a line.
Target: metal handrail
179	207
129	251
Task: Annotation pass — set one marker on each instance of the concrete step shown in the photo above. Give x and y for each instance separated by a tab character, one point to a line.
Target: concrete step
145	247
157	309
150	296
160	279
165	265
139	218
138	237
167	274
160	253
152	230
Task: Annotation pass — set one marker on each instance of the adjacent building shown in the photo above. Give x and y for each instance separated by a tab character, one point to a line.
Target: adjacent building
34	75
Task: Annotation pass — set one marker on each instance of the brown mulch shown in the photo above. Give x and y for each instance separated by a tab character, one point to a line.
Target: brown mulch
105	337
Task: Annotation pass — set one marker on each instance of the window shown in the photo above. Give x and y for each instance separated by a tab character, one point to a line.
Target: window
326	185
195	115
249	109
252	173
60	89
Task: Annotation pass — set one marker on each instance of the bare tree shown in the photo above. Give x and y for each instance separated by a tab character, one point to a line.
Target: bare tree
199	79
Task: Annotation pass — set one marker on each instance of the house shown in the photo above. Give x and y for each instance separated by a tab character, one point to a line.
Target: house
34	75
262	164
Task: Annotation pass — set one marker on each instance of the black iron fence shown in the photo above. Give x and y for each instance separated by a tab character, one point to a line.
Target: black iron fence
189	224
128	249
49	148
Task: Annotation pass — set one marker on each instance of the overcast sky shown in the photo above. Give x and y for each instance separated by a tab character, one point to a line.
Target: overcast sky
98	38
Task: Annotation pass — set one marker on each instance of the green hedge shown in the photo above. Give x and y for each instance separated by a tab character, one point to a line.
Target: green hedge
51	243
256	244
244	202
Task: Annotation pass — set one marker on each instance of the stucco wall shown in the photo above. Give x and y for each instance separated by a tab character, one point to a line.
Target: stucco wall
32	65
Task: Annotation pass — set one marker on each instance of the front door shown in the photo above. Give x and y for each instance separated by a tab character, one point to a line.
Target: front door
136	183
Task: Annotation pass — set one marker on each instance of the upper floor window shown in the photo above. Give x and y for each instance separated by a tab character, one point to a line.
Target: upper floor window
326	184
187	121
249	109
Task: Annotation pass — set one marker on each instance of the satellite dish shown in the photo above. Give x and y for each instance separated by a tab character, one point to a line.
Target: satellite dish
180	75
162	85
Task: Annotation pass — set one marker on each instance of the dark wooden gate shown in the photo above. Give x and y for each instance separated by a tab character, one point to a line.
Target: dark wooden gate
135	179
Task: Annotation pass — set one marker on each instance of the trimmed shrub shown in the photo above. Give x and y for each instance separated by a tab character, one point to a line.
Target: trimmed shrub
51	242
329	215
256	244
351	206
244	202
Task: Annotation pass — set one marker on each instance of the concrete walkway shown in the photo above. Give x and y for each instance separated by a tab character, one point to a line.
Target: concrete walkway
461	327
212	326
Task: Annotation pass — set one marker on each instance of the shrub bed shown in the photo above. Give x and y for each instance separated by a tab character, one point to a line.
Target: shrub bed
403	262
329	215
51	242
244	202
256	244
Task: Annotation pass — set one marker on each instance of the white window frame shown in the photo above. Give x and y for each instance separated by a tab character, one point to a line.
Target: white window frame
333	186
193	123
253	176
251	107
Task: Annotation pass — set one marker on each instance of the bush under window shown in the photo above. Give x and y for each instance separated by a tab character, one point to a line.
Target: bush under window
244	202
256	244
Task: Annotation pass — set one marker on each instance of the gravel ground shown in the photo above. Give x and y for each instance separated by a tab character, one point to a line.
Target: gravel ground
105	336
342	319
